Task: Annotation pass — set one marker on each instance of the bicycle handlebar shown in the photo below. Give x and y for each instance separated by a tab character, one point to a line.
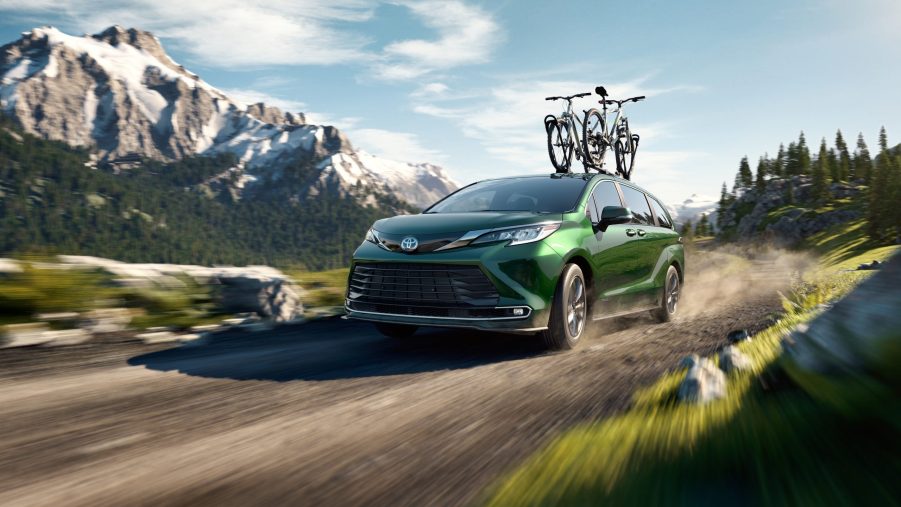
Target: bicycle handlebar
623	101
569	97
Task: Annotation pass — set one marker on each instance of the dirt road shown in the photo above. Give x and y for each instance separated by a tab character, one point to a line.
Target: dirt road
329	412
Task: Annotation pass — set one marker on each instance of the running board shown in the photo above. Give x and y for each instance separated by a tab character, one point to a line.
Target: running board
624	313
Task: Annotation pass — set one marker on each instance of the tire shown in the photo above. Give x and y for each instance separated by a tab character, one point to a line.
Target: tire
398	331
669	299
621	154
565	330
593	144
559	146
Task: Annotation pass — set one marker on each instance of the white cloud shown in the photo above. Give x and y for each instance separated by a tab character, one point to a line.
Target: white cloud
466	35
401	146
236	33
431	90
227	32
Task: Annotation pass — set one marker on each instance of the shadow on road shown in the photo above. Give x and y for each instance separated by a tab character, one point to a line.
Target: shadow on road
334	349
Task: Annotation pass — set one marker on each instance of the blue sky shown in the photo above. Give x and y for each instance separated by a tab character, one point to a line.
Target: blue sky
462	83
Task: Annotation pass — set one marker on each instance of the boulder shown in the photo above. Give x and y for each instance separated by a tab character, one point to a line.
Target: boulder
861	333
732	359
106	320
66	337
703	383
274	299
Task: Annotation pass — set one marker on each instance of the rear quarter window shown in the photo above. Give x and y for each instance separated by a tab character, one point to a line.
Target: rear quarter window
638	204
662	218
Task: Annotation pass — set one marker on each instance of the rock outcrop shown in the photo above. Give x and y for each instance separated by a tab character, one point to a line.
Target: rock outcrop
749	218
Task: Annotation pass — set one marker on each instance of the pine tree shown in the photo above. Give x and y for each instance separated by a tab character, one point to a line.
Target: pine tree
844	157
687	230
760	181
803	155
792	161
820	171
724	201
745	179
883	140
879	208
703	227
863	164
777	168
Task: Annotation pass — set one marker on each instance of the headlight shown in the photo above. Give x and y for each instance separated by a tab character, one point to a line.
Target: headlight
519	235
372	236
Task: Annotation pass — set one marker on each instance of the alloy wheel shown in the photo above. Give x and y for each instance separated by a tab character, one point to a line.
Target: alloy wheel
575	307
672	293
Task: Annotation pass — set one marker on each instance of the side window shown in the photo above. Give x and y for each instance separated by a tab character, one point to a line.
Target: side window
636	201
662	218
605	194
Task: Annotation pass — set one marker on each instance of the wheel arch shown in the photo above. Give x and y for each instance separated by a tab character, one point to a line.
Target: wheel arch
587	271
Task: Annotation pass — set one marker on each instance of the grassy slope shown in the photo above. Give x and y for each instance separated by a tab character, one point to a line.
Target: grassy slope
768	442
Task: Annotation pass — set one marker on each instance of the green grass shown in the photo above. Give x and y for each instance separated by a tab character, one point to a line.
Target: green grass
768	442
321	288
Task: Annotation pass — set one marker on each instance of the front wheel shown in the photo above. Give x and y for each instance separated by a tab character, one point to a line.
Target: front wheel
559	146
669	302
593	143
399	331
569	311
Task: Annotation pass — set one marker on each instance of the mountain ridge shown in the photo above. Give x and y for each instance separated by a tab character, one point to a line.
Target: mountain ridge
120	94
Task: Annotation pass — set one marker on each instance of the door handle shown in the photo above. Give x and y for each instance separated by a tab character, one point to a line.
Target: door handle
630	232
641	232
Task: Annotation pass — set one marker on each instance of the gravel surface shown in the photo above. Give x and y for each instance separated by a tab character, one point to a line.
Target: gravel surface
331	412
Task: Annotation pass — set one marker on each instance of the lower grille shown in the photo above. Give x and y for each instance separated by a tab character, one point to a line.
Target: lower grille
429	287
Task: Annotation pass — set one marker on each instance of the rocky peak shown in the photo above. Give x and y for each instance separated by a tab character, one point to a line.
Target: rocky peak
274	115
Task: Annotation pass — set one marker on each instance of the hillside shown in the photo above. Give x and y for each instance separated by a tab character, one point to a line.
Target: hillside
796	196
53	201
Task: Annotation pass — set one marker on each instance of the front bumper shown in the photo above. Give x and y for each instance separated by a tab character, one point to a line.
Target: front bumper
525	277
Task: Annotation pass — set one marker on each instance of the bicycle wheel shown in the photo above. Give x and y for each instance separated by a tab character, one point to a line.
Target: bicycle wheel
624	158
593	144
559	146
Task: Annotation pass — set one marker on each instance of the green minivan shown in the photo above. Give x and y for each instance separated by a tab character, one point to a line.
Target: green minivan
544	254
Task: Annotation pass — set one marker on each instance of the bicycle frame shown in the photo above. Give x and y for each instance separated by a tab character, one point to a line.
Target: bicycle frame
572	127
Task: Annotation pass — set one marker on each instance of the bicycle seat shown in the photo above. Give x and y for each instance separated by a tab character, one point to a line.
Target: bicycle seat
600	90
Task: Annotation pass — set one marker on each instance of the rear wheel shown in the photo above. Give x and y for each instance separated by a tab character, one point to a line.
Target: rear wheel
593	143
559	146
669	301
569	311
395	330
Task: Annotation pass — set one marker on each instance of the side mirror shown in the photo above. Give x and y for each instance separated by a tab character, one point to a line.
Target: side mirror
612	215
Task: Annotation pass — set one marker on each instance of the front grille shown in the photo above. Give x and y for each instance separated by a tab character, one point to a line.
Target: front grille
428	288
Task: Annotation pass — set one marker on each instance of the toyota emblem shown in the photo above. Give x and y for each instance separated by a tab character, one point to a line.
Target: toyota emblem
409	244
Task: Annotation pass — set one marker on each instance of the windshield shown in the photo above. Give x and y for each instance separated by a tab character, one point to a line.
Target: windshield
537	195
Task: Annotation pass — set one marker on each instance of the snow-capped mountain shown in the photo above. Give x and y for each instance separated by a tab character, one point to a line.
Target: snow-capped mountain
692	209
121	94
